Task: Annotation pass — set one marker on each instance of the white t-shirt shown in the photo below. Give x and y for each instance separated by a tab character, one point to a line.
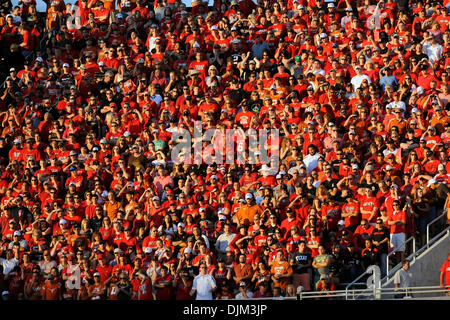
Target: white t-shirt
203	285
357	80
8	265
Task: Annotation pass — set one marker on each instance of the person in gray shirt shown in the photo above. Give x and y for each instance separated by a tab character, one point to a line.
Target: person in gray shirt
402	281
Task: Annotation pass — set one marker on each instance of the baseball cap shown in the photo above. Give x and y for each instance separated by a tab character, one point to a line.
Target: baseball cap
249	196
341	222
97	274
187	250
127	134
62	221
148	250
17	233
441	167
155	198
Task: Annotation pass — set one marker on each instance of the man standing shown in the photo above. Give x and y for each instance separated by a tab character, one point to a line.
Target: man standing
402	281
380	237
223	241
301	262
445	273
397	221
204	284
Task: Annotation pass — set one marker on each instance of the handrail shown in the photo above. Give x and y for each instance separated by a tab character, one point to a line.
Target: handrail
392	252
354	282
364	292
435	220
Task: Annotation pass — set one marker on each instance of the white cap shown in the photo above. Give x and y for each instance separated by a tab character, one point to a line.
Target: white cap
279	176
4	293
323	35
330	5
39	59
180	224
394	186
141	60
331	124
187	250
62	221
264	167
220	211
196	45
12	69
341	222
117	250
17	233
389	167
441	167
67	65
414	110
214	177
214	28
127	134
147	250
419	90
103	141
222	217
201	209
355	166
156	198
249	196
97	274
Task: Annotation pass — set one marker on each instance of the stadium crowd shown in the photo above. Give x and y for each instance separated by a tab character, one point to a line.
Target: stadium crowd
94	207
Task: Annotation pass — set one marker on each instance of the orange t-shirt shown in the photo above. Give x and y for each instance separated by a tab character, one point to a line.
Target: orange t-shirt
50	291
281	268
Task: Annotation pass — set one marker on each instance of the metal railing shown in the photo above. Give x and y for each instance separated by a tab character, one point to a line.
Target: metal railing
413	239
444	213
425	292
417	293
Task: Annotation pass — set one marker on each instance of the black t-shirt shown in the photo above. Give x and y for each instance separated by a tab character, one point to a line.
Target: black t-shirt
122	295
300	262
379	235
369	256
330	184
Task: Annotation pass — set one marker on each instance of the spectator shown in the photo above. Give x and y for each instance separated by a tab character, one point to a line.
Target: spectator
402	281
445	274
204	285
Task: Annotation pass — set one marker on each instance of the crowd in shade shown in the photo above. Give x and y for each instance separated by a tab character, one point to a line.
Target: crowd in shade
94	205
